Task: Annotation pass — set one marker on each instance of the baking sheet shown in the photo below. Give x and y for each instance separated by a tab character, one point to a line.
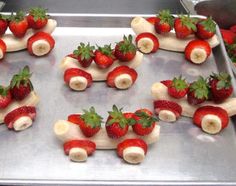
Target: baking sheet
184	153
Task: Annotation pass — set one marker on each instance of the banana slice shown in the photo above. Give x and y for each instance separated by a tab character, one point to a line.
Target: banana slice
78	154
133	155
1	54
211	124
198	55
167	116
22	123
123	81
41	47
78	83
145	45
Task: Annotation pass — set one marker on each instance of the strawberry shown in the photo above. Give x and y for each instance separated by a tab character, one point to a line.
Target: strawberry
125	50
152	20
12	116
117	124
3	49
37	18
167	83
184	26
3	24
178	88
113	77
198	91
233	28
74	118
206	28
228	36
164	22
135	142
5	97
145	122
21	85
104	56
87	145
220	86
84	54
18	24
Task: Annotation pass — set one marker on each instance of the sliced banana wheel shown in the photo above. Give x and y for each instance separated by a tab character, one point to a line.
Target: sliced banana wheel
22	123
133	155
123	81
78	154
41	47
145	45
198	55
167	116
78	83
211	124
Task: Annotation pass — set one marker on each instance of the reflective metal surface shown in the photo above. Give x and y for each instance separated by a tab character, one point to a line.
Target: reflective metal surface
184	154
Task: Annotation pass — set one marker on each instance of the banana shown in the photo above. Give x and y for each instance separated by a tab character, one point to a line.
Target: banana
78	154
133	155
22	123
145	45
167	116
123	81
78	83
198	55
1	54
211	124
41	47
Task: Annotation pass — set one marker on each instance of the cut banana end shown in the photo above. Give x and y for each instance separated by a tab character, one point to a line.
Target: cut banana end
22	123
145	45
133	155
78	154
167	116
211	124
198	55
78	83
123	81
41	47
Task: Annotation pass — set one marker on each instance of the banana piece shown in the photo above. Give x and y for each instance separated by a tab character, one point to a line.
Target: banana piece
78	154
31	100
22	123
198	55
167	41
15	44
66	131
211	124
123	81
40	47
133	155
78	83
1	54
167	116
145	45
97	73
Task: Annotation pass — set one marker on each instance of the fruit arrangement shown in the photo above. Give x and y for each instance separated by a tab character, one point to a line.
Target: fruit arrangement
115	66
18	101
31	31
206	100
128	132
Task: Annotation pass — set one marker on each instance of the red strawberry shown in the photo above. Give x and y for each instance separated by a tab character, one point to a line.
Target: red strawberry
77	84
145	122
147	42
3	24
184	26
197	51
84	54
40	48
206	28
12	116
21	85
74	118
220	86
114	77
18	24
117	124
3	49
104	56
228	36
164	22
211	119
125	50
167	83
198	91
233	28
151	20
5	97
87	145
178	88
171	106
37	18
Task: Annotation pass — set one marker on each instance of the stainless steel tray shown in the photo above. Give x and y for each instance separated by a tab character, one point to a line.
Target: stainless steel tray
184	154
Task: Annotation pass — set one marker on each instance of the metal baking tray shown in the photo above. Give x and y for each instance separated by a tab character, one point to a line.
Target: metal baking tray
183	155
